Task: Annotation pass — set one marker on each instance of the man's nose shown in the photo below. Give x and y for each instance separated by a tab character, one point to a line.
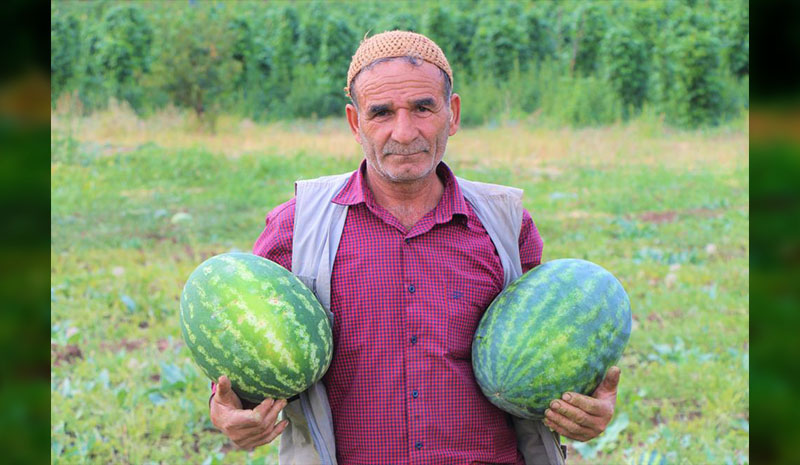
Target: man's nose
404	131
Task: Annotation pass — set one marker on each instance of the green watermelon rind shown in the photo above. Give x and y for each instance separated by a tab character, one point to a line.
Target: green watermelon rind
250	319
556	329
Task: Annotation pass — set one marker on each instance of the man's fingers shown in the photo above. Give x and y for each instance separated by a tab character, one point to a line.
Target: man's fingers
267	436
225	394
263	408
239	420
578	416
592	406
610	382
256	420
263	437
276	431
272	415
566	427
223	385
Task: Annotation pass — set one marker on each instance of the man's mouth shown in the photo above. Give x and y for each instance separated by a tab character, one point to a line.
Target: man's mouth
404	154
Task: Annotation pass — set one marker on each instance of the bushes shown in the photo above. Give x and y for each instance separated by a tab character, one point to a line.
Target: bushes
604	60
123	52
626	66
65	42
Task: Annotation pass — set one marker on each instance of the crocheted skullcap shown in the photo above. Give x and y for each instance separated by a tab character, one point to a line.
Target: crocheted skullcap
392	44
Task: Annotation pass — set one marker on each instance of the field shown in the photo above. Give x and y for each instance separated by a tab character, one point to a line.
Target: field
136	205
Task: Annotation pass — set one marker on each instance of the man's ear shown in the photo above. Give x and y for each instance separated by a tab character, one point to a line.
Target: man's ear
455	113
352	120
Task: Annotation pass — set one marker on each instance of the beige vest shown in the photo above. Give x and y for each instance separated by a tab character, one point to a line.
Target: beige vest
318	226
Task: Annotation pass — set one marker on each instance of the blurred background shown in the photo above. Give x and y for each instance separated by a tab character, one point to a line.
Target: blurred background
176	126
564	63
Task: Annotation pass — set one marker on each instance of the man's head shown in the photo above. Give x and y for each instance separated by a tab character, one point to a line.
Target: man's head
410	46
403	110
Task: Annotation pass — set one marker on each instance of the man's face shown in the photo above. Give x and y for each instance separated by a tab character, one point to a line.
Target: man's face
403	122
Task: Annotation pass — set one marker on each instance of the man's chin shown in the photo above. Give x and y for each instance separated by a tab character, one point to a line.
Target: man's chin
411	175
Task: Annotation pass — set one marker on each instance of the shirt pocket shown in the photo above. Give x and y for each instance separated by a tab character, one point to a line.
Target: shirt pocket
466	303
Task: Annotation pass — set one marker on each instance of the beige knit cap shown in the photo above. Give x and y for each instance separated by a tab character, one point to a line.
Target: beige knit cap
396	44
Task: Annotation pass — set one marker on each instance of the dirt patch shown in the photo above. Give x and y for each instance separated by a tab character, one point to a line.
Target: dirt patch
135	344
658	217
65	354
164	344
671	215
656	318
123	343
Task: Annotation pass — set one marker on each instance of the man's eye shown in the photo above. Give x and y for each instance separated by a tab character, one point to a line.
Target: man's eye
422	109
381	113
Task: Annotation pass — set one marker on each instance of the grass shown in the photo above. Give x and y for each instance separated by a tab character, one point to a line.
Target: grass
136	205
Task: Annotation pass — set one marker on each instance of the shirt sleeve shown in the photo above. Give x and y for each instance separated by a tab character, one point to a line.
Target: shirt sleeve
275	241
530	243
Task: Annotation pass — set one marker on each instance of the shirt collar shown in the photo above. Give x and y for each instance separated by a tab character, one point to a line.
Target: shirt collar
452	203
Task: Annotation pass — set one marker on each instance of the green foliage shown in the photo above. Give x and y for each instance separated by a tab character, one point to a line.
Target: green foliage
284	40
540	40
626	65
133	213
590	23
194	71
696	87
500	42
735	34
687	61
123	53
65	42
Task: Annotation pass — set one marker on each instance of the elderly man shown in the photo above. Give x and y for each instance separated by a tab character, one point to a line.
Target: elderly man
406	257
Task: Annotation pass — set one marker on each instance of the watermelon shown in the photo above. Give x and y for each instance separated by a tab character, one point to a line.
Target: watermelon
557	328
250	319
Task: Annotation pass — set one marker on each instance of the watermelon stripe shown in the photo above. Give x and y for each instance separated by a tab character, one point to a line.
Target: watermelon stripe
210	346
268	334
250	319
556	329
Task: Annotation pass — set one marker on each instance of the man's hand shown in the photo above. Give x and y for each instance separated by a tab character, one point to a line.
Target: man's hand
247	429
582	417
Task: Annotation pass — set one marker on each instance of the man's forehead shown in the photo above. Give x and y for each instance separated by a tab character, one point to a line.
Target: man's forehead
400	80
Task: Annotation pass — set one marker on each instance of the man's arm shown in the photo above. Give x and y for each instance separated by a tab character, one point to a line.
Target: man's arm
247	424
575	416
275	241
530	243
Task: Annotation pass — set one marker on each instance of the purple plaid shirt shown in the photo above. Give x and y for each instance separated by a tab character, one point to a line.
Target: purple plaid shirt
406	304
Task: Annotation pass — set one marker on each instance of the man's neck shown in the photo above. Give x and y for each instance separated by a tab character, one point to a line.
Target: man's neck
406	201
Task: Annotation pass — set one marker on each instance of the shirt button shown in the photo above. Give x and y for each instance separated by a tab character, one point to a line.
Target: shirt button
411	288
408	241
413	340
418	445
414	394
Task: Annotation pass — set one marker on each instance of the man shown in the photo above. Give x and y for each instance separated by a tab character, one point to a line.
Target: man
413	259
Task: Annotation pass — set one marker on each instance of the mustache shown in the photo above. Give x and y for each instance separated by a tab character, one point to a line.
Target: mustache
396	148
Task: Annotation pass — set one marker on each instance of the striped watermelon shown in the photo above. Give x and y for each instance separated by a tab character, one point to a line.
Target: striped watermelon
557	328
250	319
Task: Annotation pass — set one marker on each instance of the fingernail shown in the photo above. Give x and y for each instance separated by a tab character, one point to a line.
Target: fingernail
567	396
547	412
554	405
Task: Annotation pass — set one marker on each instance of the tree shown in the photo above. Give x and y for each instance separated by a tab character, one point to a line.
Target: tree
65	34
123	52
195	68
499	42
626	65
